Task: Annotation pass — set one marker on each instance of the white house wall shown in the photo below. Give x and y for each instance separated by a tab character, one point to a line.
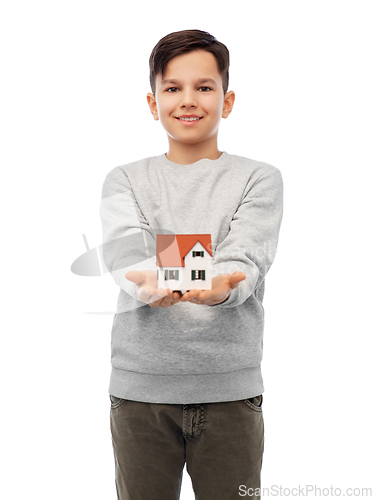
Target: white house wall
185	281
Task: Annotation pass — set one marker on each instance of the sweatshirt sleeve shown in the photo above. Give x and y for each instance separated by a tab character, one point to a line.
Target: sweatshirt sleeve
128	242
251	243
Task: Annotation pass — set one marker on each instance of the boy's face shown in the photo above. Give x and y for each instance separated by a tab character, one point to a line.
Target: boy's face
187	94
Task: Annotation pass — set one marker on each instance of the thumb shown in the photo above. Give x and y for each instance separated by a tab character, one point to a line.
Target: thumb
235	278
135	276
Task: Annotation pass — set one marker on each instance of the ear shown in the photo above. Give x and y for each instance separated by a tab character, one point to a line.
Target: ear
228	103
152	105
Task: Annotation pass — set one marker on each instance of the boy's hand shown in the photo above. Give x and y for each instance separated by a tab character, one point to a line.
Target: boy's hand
221	288
147	289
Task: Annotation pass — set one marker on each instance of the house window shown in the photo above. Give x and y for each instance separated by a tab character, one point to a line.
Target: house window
197	254
198	275
171	275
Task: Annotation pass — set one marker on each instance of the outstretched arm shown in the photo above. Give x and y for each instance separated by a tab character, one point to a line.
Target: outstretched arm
128	242
250	245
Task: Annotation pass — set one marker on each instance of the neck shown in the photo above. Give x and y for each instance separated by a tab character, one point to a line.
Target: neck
186	154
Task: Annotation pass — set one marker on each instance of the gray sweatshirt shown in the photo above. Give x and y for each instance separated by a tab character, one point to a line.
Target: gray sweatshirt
190	353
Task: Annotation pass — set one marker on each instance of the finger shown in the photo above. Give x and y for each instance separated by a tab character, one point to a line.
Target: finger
176	297
152	290
184	297
155	301
161	292
147	293
191	293
167	301
143	294
206	294
197	301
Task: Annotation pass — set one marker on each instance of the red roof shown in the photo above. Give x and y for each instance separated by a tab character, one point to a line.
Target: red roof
172	249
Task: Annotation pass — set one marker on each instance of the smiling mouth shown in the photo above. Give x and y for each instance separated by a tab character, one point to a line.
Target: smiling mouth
189	119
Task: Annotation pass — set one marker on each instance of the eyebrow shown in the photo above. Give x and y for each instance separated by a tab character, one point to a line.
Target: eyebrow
201	80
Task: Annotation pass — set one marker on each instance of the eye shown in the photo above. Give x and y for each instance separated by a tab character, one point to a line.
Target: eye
171	89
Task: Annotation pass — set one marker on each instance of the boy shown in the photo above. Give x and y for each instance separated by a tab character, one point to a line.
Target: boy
186	384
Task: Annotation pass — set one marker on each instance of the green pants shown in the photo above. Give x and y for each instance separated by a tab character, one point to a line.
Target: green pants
221	443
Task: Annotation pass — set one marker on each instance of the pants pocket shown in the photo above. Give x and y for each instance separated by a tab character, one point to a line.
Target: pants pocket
115	402
254	403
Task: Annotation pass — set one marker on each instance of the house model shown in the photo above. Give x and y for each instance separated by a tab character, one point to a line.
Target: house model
184	261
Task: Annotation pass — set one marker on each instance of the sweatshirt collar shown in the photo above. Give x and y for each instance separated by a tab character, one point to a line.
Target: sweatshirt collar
223	159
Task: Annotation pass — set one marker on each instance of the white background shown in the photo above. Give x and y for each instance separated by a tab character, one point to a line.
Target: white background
73	106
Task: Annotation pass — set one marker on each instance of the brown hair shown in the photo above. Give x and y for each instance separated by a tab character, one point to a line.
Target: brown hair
181	42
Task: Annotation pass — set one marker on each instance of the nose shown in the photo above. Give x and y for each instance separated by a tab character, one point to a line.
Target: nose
188	99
